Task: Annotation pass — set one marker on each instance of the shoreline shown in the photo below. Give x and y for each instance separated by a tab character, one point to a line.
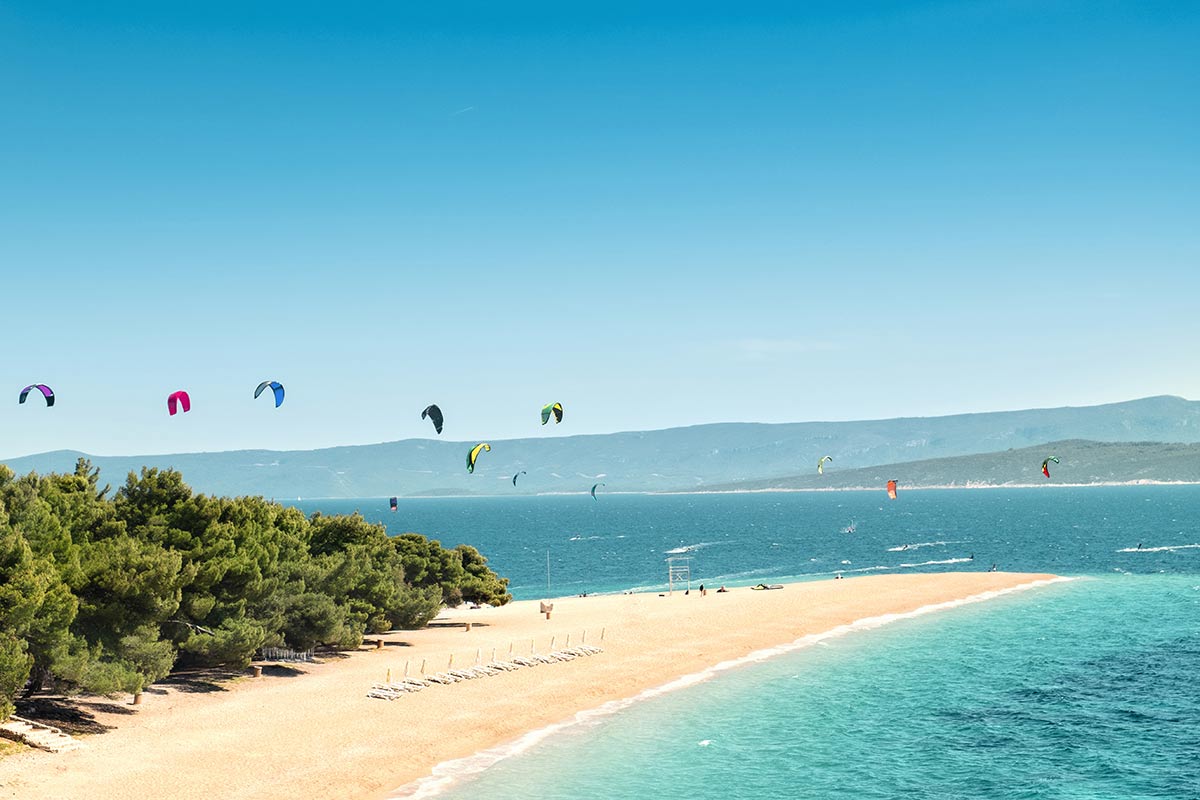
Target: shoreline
313	723
447	774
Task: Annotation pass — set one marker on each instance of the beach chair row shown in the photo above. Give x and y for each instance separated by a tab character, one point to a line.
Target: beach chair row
395	689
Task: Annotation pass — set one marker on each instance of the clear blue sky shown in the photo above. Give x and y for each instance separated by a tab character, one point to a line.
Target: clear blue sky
704	212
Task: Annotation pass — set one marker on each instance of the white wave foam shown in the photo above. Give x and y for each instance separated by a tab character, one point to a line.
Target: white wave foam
1163	549
687	548
883	567
448	773
939	561
749	573
915	545
662	587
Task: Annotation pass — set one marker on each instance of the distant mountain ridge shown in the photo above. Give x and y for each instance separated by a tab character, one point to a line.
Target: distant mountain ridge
675	459
1080	461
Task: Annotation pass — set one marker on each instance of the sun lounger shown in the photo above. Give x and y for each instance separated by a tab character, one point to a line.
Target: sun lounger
486	669
476	672
388	691
578	652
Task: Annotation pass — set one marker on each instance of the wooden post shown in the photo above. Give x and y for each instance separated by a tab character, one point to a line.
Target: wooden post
406	669
568	640
422	666
585	635
602	630
257	671
467	626
552	638
451	664
137	698
379	644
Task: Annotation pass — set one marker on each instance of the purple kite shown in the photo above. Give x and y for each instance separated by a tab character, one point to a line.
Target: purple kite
176	399
46	391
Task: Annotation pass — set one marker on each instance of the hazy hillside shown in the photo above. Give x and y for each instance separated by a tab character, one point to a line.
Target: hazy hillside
1080	462
697	457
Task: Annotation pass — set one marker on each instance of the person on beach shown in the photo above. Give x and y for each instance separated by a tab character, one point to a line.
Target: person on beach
703	593
722	589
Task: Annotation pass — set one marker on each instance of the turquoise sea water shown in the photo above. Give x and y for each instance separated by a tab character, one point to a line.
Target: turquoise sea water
1079	690
1083	689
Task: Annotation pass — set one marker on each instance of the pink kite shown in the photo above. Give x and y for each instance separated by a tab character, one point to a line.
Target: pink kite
176	399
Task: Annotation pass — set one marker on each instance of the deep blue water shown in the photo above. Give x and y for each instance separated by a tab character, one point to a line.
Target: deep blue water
1083	689
620	542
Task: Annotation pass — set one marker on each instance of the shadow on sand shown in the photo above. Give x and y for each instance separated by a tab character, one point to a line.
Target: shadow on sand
74	715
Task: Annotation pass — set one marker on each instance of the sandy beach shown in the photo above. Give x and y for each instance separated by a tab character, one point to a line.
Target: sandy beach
316	728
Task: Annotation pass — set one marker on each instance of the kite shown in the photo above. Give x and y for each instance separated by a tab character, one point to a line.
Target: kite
46	391
435	416
552	408
821	464
891	487
276	387
519	474
594	489
392	503
1046	465
474	454
175	400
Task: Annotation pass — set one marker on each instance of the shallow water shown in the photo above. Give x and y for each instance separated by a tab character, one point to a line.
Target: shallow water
1076	690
